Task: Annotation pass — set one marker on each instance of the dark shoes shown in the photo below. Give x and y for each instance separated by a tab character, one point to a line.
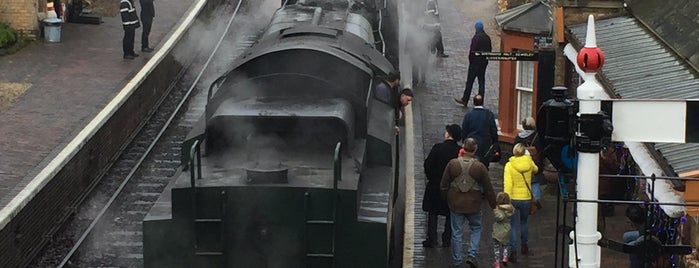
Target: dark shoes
147	49
442	55
472	262
460	101
525	249
130	57
429	244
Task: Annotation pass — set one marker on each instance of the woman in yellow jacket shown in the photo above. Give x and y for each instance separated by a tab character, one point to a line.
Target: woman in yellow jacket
517	183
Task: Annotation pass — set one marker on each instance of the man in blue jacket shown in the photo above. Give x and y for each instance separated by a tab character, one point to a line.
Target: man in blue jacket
479	124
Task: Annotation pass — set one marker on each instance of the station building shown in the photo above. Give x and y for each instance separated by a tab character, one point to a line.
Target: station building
651	53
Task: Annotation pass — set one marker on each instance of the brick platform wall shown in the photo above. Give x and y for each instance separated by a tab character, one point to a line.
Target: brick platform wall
21	15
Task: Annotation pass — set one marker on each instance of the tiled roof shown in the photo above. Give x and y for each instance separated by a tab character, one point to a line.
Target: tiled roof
532	18
639	66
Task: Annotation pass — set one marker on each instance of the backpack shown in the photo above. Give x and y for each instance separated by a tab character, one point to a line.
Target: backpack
464	182
465	194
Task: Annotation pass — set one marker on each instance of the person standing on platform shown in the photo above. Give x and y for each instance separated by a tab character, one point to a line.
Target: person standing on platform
517	180
529	138
129	20
147	15
477	65
501	228
465	183
479	124
433	203
433	23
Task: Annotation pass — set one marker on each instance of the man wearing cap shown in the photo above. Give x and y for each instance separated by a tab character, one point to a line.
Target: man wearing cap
477	65
433	203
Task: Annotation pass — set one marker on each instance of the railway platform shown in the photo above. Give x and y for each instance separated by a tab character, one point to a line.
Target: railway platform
67	84
63	95
434	107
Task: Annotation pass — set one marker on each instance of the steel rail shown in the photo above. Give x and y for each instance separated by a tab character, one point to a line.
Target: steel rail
94	222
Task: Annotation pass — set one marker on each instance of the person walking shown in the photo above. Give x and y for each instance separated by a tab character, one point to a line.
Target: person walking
147	15
465	182
501	228
477	65
129	20
479	124
517	184
432	202
533	146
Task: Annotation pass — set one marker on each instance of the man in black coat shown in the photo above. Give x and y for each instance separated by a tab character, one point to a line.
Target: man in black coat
479	124
147	15
433	203
476	65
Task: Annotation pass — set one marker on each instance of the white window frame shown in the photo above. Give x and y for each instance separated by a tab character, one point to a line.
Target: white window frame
523	88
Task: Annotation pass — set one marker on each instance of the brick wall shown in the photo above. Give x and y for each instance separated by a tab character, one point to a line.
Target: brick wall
21	15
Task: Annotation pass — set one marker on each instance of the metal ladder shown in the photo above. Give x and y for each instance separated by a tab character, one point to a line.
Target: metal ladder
312	224
200	251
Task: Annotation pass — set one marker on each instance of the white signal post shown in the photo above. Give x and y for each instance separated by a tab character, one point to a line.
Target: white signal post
584	252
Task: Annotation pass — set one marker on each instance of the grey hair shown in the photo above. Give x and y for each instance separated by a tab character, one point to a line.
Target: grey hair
529	123
470	145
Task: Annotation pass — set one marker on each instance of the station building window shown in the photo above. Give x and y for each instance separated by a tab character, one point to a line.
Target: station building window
525	90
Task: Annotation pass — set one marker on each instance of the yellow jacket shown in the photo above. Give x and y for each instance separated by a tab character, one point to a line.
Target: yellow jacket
518	170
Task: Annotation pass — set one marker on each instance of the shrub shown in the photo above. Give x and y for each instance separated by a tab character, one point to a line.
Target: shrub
8	36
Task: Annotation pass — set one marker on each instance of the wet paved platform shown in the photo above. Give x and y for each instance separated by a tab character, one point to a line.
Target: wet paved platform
434	108
69	83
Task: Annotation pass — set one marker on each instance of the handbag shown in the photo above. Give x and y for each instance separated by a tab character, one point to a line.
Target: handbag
531	148
493	154
535	204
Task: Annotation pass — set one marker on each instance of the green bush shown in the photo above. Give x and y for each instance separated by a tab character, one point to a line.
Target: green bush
8	36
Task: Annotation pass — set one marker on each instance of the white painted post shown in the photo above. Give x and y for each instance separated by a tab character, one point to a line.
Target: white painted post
584	252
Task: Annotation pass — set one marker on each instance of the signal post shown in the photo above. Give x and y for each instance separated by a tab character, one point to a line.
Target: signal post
584	252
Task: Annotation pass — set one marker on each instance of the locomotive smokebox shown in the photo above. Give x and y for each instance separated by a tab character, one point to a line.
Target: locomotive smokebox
266	173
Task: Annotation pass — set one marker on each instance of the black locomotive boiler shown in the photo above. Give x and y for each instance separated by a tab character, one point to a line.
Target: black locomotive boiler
292	164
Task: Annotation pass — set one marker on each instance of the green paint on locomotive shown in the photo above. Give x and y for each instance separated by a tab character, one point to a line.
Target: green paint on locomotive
264	227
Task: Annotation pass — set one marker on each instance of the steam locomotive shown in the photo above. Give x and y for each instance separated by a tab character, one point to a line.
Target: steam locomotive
293	162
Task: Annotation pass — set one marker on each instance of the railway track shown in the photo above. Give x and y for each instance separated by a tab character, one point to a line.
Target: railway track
105	230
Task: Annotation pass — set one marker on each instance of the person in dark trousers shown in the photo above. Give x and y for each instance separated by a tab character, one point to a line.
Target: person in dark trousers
479	124
147	14
477	65
432	202
465	183
432	15
129	20
387	89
